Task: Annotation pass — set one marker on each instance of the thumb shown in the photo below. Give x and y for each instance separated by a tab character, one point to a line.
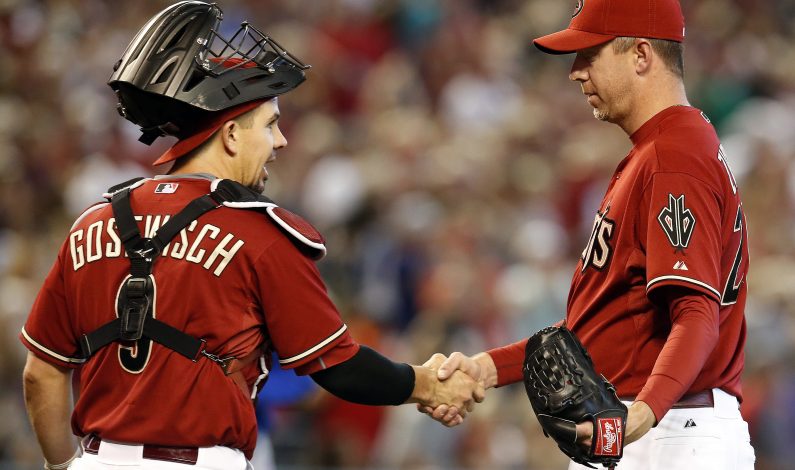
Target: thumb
449	366
458	361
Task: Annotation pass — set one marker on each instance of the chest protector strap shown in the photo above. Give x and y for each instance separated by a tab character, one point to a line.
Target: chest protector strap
135	318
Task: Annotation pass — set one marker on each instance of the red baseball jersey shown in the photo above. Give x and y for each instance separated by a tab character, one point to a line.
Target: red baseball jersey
672	216
232	277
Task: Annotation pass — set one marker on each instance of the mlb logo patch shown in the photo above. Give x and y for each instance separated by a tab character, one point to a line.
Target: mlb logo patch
609	437
166	188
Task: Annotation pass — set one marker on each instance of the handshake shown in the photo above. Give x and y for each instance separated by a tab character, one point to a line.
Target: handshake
575	406
453	385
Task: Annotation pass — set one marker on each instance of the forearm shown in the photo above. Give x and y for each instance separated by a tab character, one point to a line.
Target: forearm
693	336
368	378
48	402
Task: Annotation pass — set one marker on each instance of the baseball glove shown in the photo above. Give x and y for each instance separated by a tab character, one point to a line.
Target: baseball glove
564	389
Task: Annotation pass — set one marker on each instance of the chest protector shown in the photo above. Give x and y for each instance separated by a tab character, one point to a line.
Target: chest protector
136	320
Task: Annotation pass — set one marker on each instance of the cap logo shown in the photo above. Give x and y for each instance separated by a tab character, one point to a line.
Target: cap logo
578	8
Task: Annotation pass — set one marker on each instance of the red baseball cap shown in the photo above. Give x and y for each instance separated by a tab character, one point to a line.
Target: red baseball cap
595	22
197	138
187	144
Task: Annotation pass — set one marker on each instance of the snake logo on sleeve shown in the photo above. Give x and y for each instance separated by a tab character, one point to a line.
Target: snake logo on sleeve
677	222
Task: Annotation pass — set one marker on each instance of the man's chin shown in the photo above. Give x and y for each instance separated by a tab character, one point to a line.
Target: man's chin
601	115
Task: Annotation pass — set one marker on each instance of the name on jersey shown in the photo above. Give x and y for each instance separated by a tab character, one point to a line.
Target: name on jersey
204	246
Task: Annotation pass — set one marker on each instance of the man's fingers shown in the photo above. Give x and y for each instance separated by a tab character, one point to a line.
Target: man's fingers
479	394
459	361
452	412
454	422
450	365
440	412
424	409
470	406
585	433
460	414
435	361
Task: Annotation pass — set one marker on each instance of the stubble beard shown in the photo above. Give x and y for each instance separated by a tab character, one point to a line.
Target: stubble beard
600	114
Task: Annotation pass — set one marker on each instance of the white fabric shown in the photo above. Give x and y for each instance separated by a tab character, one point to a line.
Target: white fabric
716	439
115	456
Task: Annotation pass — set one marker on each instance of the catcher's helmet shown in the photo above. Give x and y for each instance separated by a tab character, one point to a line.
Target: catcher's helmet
178	70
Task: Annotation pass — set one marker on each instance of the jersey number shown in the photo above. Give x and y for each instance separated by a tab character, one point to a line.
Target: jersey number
735	280
133	356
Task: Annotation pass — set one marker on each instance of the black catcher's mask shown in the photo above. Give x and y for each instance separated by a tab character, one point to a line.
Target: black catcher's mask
178	70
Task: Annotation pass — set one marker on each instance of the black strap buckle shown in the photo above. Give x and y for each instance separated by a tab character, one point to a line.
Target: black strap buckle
135	306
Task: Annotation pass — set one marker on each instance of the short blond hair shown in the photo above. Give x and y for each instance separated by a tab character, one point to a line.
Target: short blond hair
671	52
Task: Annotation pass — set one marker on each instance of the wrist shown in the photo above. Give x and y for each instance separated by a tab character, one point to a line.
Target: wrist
488	370
424	385
63	465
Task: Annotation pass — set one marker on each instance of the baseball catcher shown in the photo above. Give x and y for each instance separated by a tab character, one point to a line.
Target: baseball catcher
564	389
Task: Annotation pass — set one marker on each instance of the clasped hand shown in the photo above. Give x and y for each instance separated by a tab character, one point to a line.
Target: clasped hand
481	369
448	368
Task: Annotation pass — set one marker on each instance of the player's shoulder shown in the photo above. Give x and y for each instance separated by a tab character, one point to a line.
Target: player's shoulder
241	210
687	143
252	205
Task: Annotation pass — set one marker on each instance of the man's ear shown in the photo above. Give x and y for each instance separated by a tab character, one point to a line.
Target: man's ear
230	137
642	53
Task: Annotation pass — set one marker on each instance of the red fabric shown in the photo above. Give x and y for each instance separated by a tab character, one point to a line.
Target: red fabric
232	278
613	307
694	335
623	323
509	361
187	144
300	225
598	21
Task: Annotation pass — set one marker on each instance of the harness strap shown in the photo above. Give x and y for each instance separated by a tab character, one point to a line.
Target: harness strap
195	209
125	220
142	253
154	329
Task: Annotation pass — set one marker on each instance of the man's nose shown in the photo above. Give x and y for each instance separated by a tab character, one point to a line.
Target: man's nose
579	69
280	141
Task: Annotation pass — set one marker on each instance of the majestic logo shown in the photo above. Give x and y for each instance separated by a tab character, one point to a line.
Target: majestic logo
677	222
578	8
597	251
690	423
609	441
680	266
166	188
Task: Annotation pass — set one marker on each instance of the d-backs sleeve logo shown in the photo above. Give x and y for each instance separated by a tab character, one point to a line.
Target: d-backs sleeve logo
677	222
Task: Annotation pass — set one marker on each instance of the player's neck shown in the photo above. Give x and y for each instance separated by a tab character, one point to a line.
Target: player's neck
202	163
650	101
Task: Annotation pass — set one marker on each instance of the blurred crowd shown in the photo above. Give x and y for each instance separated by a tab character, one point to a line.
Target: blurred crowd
454	171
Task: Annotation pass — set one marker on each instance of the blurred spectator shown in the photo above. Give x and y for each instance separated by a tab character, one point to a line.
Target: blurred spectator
452	173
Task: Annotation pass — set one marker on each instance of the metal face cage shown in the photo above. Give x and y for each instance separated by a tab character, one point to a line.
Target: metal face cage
248	47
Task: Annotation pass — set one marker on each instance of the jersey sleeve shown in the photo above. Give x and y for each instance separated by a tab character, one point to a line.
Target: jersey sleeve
303	323
509	360
48	332
694	335
683	230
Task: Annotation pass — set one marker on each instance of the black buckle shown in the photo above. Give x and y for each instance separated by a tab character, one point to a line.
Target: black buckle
136	303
